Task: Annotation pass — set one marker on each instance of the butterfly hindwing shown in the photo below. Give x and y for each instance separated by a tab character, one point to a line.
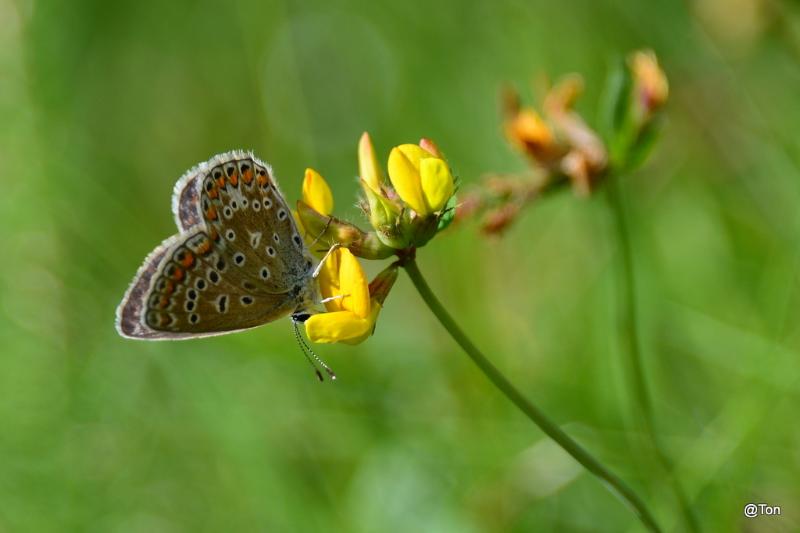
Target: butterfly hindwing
186	198
179	293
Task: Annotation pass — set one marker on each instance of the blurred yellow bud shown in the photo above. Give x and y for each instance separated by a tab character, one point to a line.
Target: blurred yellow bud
563	95
651	88
317	193
530	134
423	181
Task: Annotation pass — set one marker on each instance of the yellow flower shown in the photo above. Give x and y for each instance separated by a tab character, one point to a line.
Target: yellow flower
351	314
317	193
422	180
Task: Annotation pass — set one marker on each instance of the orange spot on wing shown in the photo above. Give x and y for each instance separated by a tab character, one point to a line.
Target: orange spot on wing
204	247
262	180
163	302
188	261
211	213
213	193
221	181
169	288
178	274
234	179
214	235
247	176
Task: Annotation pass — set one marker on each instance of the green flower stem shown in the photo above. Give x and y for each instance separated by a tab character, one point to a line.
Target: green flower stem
529	409
629	328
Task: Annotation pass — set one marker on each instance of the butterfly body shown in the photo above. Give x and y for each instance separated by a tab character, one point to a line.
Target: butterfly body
237	262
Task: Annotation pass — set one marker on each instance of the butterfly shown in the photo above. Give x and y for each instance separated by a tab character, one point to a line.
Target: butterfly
237	262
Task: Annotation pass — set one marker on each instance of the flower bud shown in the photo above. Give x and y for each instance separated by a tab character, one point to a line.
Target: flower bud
532	136
368	168
384	216
422	180
649	83
380	286
317	193
330	230
430	146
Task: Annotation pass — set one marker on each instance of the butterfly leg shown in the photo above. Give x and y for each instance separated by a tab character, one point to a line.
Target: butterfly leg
331	298
332	249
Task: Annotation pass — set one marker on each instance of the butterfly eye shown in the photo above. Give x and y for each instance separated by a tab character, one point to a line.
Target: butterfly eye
301	317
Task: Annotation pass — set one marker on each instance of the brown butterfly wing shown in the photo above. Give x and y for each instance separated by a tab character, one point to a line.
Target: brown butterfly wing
220	274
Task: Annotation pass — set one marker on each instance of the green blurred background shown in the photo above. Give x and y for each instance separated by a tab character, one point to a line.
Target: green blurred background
105	104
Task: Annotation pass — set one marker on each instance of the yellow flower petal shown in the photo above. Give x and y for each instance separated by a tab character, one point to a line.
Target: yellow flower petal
368	168
317	193
414	153
329	282
404	174
341	326
375	309
353	284
437	183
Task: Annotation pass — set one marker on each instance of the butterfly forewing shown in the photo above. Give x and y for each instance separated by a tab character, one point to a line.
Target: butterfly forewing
237	263
247	218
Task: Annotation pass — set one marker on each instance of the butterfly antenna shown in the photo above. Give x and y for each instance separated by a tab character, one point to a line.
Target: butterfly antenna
319	360
302	344
321	233
309	353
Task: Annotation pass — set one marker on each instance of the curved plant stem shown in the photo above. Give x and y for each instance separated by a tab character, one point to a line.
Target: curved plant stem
630	337
523	404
